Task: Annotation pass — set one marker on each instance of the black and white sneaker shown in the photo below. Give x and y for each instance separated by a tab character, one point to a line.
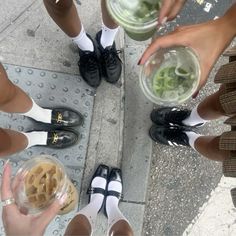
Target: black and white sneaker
171	116
172	136
89	66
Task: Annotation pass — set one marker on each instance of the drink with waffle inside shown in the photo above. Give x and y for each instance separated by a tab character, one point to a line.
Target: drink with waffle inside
40	181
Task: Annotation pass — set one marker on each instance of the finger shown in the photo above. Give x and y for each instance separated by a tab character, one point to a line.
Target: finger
175	10
161	42
17	182
47	216
6	192
166	6
6	182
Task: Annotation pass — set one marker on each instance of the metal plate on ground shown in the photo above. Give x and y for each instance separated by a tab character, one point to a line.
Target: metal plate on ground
51	89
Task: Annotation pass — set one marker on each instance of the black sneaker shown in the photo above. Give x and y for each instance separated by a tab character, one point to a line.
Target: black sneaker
89	66
171	116
111	63
172	136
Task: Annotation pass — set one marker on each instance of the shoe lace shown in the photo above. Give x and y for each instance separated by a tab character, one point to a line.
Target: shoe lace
110	56
89	60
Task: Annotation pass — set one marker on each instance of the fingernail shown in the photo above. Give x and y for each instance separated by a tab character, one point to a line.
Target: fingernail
195	95
139	61
6	163
63	199
164	20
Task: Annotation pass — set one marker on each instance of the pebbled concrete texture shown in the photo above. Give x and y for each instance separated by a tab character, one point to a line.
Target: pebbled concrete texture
181	180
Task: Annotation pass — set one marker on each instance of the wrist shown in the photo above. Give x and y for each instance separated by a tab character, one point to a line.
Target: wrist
228	22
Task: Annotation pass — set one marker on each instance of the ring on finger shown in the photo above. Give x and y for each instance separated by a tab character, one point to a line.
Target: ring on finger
8	201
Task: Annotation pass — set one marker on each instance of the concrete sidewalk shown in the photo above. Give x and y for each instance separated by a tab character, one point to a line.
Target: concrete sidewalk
43	61
30	41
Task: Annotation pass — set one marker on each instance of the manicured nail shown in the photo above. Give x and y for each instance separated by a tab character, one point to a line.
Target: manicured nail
63	199
6	163
164	20
195	95
139	61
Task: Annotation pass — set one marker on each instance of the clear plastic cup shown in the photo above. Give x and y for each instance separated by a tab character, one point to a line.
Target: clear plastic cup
39	182
170	76
137	17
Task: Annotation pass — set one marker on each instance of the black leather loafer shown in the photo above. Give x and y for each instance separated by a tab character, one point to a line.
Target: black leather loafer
65	117
115	175
102	171
62	138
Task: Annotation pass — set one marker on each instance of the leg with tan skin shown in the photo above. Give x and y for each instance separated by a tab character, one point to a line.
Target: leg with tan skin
210	108
15	100
107	20
12	98
121	228
79	226
208	146
65	15
11	142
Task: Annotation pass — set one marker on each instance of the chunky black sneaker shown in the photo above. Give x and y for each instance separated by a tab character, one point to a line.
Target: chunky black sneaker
173	136
171	116
111	63
89	66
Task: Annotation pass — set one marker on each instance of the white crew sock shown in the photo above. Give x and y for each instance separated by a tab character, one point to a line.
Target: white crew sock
96	201
38	113
113	212
36	138
108	36
194	118
83	41
192	138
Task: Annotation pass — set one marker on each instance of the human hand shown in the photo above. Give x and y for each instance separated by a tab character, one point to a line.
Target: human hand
169	10
208	40
16	223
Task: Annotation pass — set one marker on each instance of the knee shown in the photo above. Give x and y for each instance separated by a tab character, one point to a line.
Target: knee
5	142
60	7
7	93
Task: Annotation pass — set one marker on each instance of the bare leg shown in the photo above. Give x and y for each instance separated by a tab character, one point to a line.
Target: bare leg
107	20
12	98
65	15
79	226
210	108
121	228
208	146
11	142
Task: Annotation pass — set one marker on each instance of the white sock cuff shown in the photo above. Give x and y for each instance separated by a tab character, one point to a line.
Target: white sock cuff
192	138
38	113
36	138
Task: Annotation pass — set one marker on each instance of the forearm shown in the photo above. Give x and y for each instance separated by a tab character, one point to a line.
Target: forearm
229	21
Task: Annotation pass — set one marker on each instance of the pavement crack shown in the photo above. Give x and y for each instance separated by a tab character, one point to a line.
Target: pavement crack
10	24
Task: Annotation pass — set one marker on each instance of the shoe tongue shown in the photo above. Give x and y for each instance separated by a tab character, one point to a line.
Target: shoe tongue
108	48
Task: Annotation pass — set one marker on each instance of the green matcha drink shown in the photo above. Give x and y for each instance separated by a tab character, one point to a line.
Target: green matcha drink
137	17
170	76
